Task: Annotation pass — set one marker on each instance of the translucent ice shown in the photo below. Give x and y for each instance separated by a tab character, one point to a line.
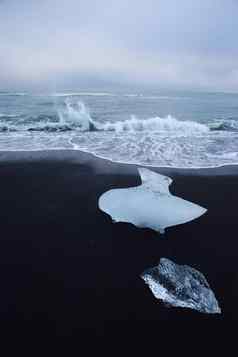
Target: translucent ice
149	205
181	286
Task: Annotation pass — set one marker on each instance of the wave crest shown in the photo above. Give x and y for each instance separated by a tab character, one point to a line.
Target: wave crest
224	125
77	115
168	124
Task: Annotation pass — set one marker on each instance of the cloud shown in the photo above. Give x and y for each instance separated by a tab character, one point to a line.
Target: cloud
164	44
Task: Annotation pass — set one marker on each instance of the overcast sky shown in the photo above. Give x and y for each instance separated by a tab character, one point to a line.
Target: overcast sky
174	44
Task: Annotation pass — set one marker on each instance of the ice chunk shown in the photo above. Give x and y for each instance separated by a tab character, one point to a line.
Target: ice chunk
149	205
181	286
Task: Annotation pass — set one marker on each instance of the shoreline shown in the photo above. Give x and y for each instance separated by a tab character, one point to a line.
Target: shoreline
74	154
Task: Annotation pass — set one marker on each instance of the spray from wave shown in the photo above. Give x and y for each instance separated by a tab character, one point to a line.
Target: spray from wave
76	115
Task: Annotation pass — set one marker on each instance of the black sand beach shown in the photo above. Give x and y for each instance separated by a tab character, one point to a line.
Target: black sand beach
68	271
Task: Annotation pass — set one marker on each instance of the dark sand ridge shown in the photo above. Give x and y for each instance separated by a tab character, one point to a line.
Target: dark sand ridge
67	270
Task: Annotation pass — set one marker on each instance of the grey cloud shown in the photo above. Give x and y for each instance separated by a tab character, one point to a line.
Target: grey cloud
174	44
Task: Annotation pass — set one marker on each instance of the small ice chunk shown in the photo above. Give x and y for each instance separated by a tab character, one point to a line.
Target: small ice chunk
149	205
181	286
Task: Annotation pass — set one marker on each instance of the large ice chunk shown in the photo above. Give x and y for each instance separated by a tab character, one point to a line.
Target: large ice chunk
181	286
149	205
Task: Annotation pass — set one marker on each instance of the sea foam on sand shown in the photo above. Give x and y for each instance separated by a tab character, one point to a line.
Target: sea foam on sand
149	205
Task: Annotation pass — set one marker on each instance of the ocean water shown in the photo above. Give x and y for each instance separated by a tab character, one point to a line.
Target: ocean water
158	129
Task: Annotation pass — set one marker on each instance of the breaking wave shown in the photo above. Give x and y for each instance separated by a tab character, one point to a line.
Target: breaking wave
75	116
168	124
224	125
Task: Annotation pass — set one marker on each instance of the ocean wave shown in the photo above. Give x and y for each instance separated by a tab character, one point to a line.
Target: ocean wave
168	124
7	128
86	94
156	97
13	94
5	116
73	115
224	125
78	115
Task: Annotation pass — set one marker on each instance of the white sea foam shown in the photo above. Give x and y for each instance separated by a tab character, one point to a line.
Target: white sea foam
225	155
168	124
